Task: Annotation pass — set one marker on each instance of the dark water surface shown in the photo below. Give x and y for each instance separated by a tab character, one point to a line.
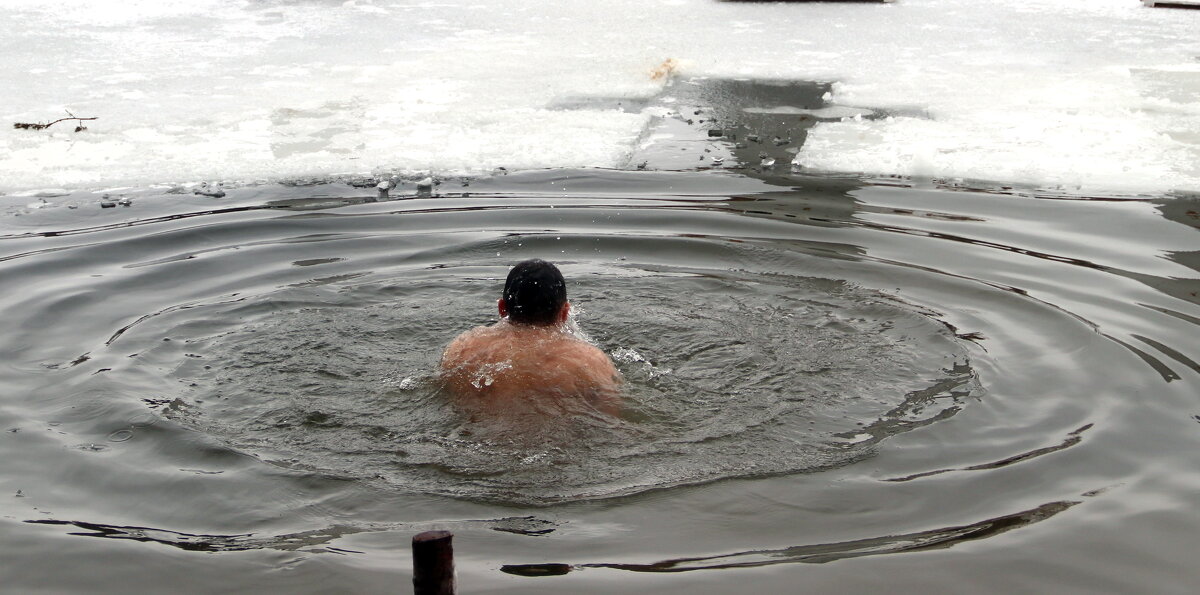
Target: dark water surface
834	385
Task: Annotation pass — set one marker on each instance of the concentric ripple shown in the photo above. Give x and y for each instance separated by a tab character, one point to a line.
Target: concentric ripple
816	369
728	375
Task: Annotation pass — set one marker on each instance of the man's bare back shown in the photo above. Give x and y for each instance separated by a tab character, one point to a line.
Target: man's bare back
529	358
507	363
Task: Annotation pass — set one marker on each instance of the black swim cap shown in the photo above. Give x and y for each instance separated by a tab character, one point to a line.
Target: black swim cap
534	292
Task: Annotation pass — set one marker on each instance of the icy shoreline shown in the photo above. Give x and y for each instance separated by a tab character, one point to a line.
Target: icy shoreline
1094	95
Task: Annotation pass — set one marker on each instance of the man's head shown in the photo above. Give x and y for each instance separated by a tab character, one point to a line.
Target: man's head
535	293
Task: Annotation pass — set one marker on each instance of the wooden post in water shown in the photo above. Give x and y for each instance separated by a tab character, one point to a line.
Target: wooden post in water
433	563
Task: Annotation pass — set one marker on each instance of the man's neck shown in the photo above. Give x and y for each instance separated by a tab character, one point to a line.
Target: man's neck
529	327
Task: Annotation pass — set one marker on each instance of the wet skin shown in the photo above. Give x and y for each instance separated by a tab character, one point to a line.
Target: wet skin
489	369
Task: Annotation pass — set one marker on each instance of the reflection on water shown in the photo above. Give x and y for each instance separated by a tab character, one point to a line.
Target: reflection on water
819	553
861	367
1071	440
307	540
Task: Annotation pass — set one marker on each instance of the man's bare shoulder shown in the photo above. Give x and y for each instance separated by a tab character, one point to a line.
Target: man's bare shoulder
592	374
467	344
589	361
584	352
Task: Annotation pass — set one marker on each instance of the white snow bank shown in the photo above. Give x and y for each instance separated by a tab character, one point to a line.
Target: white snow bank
1087	93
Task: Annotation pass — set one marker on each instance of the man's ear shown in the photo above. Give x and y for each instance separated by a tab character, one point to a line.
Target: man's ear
502	307
563	313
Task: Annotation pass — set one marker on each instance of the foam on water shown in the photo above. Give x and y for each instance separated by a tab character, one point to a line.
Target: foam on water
1080	93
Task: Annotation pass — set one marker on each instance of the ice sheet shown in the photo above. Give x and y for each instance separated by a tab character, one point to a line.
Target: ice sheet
1087	94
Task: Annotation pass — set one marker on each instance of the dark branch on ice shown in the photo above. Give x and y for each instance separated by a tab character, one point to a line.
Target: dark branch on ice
79	127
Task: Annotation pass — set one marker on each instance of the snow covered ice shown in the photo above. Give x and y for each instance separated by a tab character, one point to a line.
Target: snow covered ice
1088	94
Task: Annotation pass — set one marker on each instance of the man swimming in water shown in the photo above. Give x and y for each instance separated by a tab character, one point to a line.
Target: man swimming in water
530	354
